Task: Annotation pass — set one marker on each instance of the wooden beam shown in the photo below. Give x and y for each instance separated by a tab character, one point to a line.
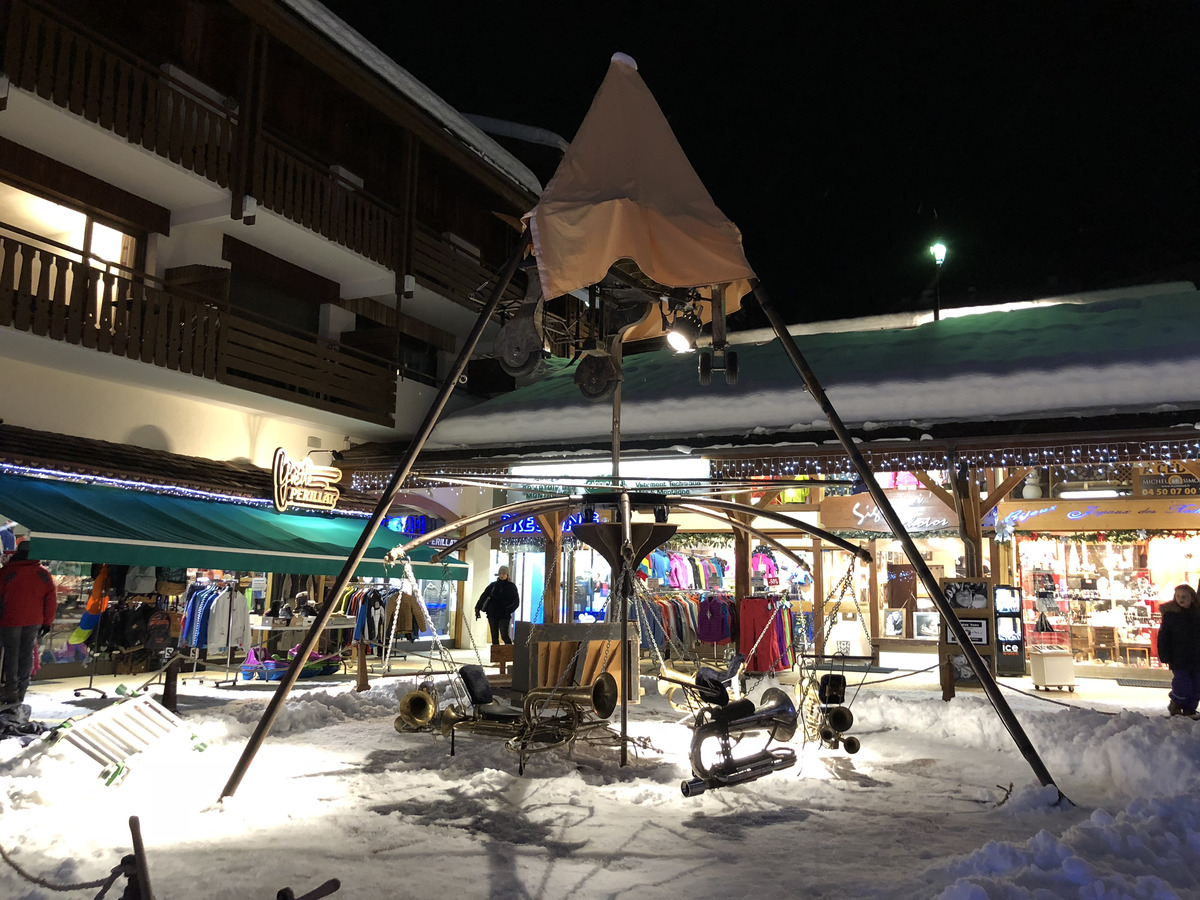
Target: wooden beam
937	490
818	574
551	525
1003	489
873	599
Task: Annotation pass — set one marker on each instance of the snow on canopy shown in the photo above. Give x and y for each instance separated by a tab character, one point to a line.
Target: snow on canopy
626	190
1130	350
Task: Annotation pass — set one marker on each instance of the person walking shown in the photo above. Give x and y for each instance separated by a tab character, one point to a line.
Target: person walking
1179	650
28	605
499	601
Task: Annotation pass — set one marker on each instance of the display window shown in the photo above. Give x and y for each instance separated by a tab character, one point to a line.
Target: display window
1105	593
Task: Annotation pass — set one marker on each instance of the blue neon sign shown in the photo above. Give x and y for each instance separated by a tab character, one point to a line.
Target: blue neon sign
529	525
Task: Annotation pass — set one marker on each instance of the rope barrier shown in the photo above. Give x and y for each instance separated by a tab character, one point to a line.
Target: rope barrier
126	867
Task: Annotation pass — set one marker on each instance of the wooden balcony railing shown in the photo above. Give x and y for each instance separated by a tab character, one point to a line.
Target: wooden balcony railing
63	62
51	291
302	190
441	267
105	85
260	357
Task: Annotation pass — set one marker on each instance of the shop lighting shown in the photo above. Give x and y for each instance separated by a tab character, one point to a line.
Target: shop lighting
1090	495
684	332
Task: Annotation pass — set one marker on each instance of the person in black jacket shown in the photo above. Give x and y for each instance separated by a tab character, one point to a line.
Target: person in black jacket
499	601
1179	649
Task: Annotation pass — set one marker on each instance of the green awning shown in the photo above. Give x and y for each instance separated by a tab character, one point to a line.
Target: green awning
81	522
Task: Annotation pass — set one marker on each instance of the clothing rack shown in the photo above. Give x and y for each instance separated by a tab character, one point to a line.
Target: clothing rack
93	659
194	654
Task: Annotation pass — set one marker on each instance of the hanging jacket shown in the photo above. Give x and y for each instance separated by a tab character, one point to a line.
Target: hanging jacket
228	621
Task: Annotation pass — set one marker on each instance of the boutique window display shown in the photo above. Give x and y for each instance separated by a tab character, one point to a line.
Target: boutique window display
1105	589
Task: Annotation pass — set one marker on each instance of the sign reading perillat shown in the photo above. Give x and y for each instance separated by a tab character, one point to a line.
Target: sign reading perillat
303	484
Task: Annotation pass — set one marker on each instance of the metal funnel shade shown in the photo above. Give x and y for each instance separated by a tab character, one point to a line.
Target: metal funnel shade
606	539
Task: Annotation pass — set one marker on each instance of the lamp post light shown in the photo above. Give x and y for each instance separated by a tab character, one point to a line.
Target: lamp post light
938	250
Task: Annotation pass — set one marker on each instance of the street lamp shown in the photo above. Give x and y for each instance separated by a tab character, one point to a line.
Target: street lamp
938	250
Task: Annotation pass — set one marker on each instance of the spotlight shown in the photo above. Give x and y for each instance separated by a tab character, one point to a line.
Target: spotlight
661	513
684	332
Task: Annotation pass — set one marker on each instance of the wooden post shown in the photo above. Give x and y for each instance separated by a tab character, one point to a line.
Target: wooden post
873	599
551	525
818	573
362	684
741	553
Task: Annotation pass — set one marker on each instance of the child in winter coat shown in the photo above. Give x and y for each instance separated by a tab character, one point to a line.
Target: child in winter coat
1179	649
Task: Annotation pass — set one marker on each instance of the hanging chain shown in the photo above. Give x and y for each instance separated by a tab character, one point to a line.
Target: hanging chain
839	590
546	584
443	654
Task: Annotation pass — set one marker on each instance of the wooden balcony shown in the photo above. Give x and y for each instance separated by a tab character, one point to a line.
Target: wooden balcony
51	291
300	189
442	267
83	72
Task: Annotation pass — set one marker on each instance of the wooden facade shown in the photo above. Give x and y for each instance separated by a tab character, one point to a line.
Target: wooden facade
246	97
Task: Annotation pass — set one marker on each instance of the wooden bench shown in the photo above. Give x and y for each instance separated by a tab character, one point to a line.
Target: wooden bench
502	655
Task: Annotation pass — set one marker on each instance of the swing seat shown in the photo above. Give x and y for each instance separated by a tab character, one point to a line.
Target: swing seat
483	700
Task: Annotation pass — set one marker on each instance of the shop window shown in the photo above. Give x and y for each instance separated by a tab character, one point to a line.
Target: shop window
65	231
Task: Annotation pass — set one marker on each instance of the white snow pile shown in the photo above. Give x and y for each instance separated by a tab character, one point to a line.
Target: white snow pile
938	803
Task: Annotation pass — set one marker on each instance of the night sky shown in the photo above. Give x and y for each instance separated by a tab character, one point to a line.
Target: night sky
1052	146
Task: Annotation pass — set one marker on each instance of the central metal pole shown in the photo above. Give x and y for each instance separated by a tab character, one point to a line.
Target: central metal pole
901	534
625	580
364	540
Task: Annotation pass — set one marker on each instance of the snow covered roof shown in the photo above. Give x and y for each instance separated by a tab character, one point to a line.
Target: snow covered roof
357	46
1089	356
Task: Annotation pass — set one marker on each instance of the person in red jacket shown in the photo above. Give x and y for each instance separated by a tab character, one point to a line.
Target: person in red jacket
28	605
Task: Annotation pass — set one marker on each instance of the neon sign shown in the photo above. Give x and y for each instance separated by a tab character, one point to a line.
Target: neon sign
407	524
529	525
303	483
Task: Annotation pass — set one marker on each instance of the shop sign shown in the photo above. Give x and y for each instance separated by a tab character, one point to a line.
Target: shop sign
977	632
1164	480
414	525
918	511
1116	514
529	524
303	484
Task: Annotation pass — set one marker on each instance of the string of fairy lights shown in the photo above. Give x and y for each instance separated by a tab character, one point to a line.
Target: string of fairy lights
1085	461
1082	462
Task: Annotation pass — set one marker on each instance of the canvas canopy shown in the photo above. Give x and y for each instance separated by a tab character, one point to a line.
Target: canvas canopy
80	522
626	190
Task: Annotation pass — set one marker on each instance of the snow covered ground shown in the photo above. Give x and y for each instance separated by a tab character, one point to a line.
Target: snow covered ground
337	792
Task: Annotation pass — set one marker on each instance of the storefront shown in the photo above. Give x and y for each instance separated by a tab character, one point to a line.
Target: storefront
173	539
1100	568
